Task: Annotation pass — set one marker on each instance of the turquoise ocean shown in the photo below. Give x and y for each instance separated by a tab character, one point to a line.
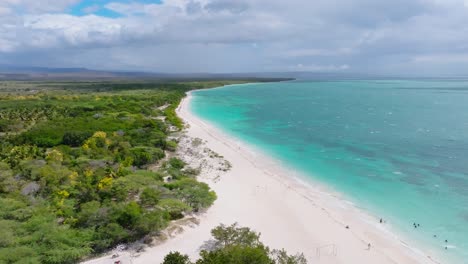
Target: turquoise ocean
398	149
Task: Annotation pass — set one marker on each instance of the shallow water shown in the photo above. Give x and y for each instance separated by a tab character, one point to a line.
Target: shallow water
397	148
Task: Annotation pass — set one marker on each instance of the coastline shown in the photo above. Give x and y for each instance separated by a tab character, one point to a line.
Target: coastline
289	211
339	206
302	218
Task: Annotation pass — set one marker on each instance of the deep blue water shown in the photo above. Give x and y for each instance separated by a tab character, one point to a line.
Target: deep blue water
397	148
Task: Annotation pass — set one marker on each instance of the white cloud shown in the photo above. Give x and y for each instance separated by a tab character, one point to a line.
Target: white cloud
241	35
319	68
37	6
5	11
317	52
73	30
441	58
6	45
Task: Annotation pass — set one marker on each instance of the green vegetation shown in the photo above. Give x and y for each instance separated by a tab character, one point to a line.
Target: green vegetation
236	245
74	159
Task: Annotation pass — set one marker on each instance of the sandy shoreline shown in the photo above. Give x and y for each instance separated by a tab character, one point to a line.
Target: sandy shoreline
289	214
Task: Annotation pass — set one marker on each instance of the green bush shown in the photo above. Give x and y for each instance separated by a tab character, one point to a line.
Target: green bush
4	125
144	155
171	145
174	207
176	258
177	163
149	197
75	138
196	194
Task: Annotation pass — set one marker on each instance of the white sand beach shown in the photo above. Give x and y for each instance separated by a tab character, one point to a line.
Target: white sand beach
288	213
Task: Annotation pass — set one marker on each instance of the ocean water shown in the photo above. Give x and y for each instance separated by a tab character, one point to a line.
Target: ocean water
396	148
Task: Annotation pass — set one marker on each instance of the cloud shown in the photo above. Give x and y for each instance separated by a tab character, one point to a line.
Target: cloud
91	9
5	11
319	68
62	29
227	35
317	52
227	6
441	58
38	6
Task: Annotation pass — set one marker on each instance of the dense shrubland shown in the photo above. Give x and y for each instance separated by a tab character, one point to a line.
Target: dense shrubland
74	178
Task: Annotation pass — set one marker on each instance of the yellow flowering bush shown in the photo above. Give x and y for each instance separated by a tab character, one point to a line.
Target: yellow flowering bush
88	173
54	156
99	134
106	182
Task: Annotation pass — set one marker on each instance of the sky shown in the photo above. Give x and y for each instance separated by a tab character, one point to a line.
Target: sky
421	37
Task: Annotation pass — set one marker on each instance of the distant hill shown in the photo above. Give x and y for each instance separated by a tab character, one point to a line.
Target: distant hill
43	73
37	73
8	72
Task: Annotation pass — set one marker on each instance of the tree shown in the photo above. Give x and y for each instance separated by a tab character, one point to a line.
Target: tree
54	156
143	156
171	145
129	214
176	258
149	197
177	163
8	183
151	221
236	254
174	207
240	245
235	235
75	138
282	257
91	214
196	194
109	235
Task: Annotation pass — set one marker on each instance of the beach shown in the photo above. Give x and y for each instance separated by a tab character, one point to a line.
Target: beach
288	212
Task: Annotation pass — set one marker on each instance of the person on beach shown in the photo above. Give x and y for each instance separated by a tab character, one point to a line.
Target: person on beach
368	246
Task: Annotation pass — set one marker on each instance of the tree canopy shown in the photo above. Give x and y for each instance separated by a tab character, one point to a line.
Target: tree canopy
236	245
